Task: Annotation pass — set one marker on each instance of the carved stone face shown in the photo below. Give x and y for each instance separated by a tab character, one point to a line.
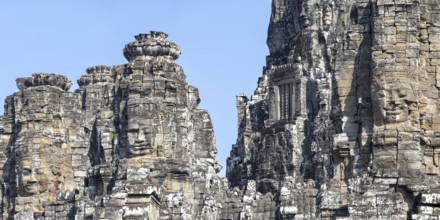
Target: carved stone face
393	102
32	180
305	20
305	16
144	119
140	139
328	15
193	97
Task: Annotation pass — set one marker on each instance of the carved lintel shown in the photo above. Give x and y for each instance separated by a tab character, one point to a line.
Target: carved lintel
344	153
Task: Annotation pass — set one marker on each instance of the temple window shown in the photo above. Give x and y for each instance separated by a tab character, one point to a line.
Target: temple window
285	93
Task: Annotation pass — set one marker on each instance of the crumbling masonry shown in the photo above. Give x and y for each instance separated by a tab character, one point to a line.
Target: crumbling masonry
343	125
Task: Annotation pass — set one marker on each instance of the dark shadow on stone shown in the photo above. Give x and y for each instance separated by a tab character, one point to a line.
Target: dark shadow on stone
363	98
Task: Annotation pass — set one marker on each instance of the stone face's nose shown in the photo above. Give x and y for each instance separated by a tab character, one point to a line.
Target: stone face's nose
141	137
392	96
32	179
395	97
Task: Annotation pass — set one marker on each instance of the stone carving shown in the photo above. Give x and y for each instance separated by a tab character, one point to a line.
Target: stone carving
394	101
35	172
32	174
363	128
129	143
141	128
151	45
342	125
327	16
42	79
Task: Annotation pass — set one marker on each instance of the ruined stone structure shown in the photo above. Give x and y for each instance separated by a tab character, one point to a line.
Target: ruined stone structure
343	125
129	143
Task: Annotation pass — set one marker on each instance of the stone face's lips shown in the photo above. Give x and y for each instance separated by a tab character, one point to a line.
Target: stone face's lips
139	149
394	107
393	112
31	188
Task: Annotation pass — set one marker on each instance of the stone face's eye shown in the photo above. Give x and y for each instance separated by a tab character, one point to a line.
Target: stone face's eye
133	130
402	93
381	93
27	171
39	171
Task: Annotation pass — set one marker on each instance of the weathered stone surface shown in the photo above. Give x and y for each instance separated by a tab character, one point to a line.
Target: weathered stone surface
129	143
343	125
347	100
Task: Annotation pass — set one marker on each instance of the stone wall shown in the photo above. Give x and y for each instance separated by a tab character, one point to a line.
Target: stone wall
342	123
129	143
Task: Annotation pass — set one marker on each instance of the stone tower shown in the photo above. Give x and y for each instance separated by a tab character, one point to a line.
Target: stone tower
129	143
342	124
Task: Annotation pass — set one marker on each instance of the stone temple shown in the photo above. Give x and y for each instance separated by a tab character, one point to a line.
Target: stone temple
343	125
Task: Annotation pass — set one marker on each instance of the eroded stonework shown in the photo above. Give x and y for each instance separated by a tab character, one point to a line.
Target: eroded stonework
129	143
343	125
343	122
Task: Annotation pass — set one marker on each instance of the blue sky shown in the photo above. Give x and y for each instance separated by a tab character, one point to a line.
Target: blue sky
223	45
